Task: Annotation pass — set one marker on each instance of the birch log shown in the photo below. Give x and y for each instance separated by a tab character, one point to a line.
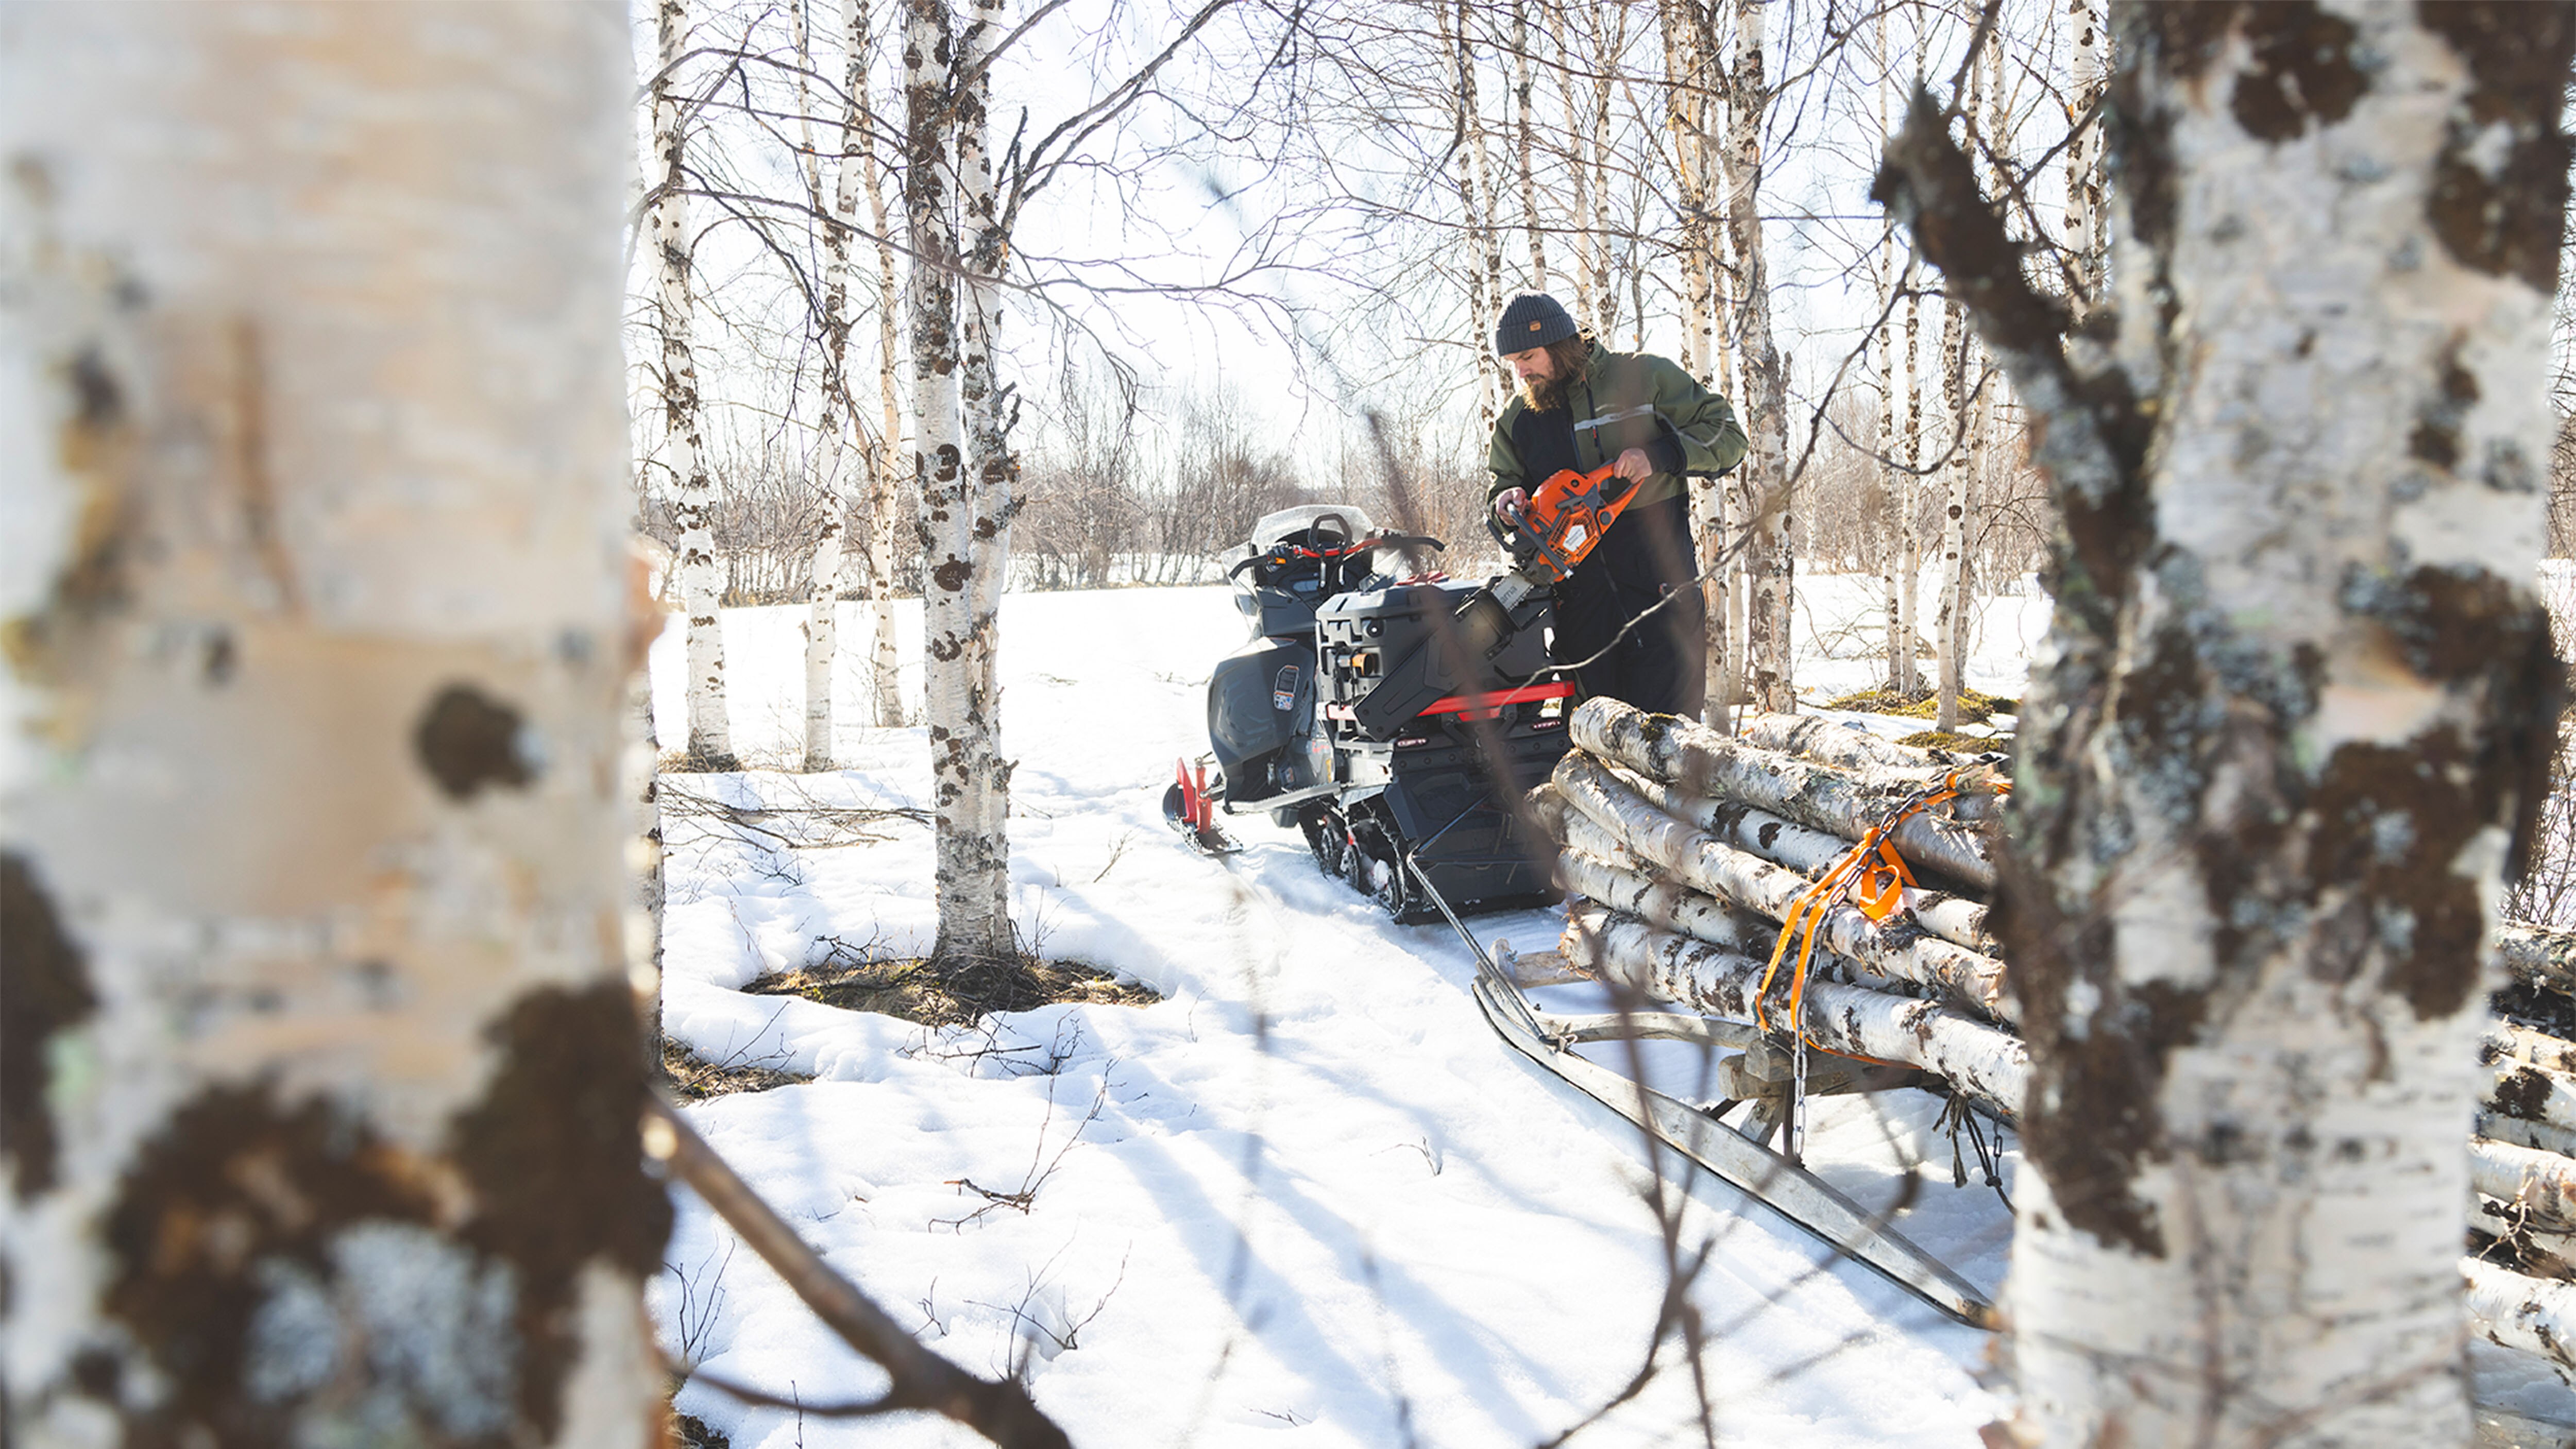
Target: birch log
1986	1062
1840	801
2505	1040
2538	956
1602	878
2530	1093
1625	886
2541	1183
1896	948
1810	852
2518	1311
2539	1136
1830	742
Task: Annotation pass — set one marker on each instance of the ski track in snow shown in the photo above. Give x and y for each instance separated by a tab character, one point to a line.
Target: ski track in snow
1311	1194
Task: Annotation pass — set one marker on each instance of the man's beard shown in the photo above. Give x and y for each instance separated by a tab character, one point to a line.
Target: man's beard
1543	394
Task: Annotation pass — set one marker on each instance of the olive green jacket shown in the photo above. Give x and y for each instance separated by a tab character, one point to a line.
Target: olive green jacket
1616	404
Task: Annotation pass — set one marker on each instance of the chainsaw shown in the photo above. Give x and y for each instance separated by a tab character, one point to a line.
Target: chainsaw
1563	522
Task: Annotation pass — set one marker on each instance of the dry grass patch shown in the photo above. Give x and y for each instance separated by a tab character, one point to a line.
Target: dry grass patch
1973	707
694	1079
1959	744
909	989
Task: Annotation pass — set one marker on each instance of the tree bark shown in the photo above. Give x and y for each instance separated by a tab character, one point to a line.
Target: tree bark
693	500
2287	731
318	1033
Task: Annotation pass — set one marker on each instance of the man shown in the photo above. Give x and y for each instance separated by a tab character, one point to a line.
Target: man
1581	405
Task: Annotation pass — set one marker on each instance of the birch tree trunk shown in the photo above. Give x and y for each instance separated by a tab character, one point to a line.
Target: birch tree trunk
1483	303
710	739
2287	734
1954	522
2090	37
1525	151
1771	613
319	1070
1895	494
1484	223
832	428
1605	290
963	472
1908	677
885	686
1689	76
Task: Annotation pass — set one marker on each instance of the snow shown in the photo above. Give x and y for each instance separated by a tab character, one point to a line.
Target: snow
1311	1194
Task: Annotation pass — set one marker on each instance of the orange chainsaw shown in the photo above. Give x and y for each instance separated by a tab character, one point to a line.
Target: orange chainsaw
1563	521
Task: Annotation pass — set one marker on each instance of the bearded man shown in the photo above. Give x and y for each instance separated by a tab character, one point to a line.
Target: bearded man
1580	405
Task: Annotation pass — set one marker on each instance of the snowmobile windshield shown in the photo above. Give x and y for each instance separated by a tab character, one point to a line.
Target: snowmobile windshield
1293	524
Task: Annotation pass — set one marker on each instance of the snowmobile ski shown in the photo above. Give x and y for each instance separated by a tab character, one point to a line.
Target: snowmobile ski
1735	1157
1189	806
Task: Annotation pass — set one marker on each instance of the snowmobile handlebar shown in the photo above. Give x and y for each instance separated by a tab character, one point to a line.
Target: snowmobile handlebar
1287	551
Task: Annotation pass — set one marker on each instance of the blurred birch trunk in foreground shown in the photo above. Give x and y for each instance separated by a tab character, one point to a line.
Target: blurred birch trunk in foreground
2297	714
320	1082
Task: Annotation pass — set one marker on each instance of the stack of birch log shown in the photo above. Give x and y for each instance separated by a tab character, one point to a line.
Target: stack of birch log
1683	850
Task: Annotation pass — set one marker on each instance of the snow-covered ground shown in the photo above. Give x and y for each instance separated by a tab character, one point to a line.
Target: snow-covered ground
1310	1194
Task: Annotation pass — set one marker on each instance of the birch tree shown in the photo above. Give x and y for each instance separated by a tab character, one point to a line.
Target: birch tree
2090	39
1771	610
836	428
710	739
885	688
319	1079
2295	713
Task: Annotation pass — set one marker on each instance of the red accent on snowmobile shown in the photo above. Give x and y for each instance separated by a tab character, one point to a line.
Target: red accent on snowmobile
1190	808
1469	703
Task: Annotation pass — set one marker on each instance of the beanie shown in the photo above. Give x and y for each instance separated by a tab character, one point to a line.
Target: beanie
1532	319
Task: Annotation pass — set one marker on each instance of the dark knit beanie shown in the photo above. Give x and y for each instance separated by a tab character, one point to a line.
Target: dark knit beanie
1532	319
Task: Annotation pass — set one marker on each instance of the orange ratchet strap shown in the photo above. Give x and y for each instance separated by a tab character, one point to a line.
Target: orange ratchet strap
1873	877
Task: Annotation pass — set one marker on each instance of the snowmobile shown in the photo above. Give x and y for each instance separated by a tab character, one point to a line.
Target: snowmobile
1395	716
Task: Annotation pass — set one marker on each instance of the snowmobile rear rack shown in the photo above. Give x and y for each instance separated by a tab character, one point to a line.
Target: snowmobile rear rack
1737	1158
